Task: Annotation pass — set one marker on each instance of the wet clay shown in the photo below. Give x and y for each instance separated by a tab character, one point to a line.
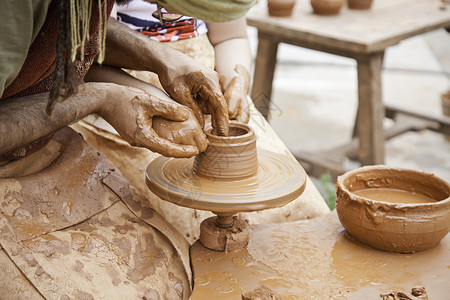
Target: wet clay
280	8
230	157
314	259
231	176
278	181
227	178
261	293
393	196
327	7
389	225
220	236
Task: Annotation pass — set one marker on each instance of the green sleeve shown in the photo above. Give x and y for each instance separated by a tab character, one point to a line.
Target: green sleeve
21	21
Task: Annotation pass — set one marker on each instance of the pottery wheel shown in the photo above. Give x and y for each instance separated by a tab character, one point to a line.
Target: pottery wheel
278	181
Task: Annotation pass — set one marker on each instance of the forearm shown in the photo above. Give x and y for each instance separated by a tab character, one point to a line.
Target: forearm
227	60
126	48
231	47
116	75
24	120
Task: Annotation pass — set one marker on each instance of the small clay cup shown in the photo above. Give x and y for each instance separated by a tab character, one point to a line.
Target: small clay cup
394	227
327	7
359	4
230	157
280	8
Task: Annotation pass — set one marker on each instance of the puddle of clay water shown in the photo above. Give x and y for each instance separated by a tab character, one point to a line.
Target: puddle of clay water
393	195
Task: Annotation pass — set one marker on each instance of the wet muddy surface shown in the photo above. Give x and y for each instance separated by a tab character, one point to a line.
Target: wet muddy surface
315	258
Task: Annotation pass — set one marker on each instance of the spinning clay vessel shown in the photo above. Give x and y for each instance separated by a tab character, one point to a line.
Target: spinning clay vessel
230	176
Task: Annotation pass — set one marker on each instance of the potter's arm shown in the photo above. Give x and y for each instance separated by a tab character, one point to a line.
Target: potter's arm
233	63
180	75
24	120
129	110
105	73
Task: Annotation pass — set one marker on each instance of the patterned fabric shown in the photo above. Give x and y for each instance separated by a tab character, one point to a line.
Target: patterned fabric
138	16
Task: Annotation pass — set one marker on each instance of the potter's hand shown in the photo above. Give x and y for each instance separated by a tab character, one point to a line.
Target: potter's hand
197	87
132	111
179	74
236	95
188	132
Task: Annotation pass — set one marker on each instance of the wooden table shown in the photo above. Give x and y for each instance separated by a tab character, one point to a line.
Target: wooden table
314	259
359	34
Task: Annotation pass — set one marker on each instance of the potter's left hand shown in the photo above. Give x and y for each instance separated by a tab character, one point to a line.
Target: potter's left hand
197	87
133	112
236	95
186	132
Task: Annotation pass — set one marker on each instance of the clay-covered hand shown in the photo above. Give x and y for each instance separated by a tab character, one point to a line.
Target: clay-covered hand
236	95
197	87
133	112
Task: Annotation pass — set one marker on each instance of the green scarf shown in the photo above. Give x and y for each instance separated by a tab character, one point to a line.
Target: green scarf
213	11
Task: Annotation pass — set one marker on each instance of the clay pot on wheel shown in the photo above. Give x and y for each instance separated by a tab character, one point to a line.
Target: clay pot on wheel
409	212
229	157
359	4
280	8
327	7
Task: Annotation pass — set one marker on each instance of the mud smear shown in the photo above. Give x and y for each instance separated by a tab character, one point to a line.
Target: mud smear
315	259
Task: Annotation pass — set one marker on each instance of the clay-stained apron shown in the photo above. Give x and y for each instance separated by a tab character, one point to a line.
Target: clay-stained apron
86	233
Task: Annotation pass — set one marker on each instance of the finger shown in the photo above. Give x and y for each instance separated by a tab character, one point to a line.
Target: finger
201	142
218	109
168	148
243	115
233	108
166	109
182	94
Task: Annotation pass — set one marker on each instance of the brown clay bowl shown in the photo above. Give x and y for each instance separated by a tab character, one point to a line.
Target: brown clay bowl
394	227
327	7
280	8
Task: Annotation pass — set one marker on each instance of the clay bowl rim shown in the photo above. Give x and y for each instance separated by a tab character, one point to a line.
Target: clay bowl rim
354	197
235	140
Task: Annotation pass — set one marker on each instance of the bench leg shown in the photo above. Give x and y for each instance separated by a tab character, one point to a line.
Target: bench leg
370	116
266	59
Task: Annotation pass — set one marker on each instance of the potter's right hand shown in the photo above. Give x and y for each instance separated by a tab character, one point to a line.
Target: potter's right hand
131	112
197	87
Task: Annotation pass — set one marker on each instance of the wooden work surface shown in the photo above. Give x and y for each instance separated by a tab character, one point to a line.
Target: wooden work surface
314	259
359	34
354	31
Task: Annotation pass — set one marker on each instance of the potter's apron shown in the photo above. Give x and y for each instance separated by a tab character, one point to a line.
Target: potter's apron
78	230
